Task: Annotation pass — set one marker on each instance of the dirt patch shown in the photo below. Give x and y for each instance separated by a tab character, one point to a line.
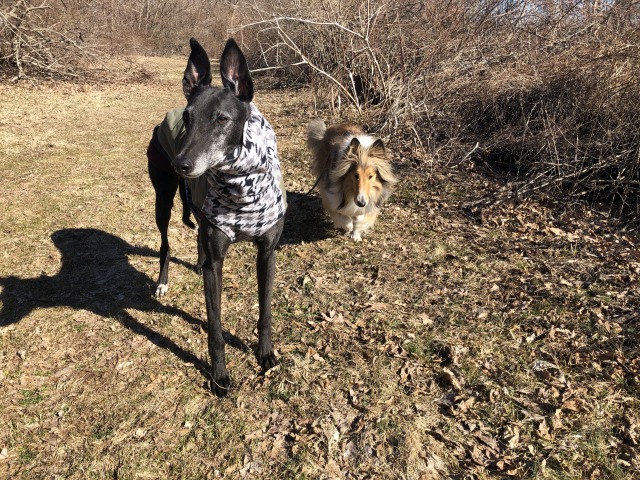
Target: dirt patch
449	343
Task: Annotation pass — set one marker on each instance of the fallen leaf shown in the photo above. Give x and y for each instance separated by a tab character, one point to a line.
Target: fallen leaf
543	431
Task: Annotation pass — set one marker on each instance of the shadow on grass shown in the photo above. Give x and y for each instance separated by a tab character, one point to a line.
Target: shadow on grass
95	275
305	220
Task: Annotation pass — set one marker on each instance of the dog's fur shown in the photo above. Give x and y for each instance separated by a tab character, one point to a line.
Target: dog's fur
214	119
354	174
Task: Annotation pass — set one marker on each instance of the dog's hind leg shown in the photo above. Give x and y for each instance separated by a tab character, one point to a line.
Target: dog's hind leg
266	268
165	185
215	245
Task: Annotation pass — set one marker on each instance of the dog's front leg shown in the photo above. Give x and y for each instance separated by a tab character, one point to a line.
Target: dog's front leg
266	268
215	245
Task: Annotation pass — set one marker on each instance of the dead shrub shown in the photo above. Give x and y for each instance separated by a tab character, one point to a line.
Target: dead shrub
561	115
69	39
543	90
34	41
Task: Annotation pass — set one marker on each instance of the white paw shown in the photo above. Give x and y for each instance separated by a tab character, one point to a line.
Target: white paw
162	289
356	235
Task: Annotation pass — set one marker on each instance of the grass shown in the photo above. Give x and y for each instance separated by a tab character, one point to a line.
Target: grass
30	397
411	355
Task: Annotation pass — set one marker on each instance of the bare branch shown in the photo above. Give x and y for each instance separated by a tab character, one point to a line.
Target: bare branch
277	21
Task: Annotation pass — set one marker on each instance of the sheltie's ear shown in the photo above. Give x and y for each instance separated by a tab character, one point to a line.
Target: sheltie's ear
380	155
377	149
385	173
353	147
343	163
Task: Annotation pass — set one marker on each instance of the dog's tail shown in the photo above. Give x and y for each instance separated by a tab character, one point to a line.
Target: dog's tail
317	147
315	134
186	204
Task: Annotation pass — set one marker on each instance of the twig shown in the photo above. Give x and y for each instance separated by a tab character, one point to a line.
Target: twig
278	67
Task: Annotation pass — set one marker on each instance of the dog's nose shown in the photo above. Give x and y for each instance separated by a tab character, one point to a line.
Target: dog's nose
361	201
182	165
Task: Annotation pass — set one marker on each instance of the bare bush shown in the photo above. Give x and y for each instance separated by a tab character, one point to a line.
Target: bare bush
561	113
158	26
335	46
67	38
33	42
545	90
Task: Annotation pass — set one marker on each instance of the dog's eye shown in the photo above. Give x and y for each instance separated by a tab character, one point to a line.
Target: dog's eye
356	175
222	119
372	176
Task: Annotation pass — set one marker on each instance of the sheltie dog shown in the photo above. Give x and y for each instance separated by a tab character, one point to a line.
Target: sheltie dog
353	173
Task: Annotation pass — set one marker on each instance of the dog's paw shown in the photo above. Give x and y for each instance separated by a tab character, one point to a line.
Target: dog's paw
162	289
268	361
220	383
356	236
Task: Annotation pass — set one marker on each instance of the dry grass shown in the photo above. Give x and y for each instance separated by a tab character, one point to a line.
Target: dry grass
443	346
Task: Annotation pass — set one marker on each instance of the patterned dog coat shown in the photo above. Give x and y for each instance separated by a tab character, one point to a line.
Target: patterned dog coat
243	195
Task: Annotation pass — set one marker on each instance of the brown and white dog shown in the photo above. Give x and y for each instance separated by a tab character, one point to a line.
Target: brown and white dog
354	174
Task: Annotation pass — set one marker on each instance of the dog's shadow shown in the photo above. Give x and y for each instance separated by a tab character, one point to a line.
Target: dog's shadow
305	220
96	275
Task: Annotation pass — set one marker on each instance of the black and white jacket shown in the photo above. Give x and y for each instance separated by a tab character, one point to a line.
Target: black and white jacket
244	194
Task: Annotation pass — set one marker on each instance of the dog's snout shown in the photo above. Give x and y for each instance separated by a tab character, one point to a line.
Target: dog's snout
183	165
361	201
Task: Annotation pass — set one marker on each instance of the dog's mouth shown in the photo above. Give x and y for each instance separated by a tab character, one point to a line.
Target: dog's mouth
189	175
194	168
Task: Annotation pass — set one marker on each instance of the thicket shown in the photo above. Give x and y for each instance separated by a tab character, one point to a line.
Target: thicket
66	38
546	90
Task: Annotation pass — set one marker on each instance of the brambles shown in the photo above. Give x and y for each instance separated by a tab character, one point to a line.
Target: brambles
543	91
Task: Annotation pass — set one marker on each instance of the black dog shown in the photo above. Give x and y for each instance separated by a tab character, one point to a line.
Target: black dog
226	151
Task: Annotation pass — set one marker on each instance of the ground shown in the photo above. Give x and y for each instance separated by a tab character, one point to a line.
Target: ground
452	342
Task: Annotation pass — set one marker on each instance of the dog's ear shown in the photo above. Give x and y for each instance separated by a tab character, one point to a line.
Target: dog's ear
353	146
378	149
198	71
235	71
383	165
